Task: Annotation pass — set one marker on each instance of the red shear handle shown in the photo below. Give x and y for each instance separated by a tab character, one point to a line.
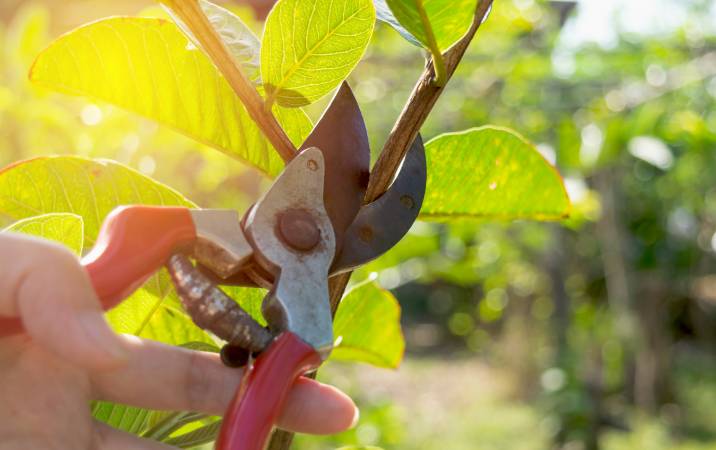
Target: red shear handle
133	243
259	401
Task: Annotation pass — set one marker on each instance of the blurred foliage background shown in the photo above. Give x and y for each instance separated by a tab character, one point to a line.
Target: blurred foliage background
597	333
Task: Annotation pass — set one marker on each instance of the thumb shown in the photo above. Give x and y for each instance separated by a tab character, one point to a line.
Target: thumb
46	286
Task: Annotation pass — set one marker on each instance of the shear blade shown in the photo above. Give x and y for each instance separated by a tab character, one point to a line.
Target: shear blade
382	223
342	138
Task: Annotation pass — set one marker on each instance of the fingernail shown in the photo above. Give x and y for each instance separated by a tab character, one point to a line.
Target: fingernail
101	335
356	418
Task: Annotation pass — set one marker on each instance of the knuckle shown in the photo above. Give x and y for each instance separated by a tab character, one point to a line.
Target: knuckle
48	270
58	256
45	258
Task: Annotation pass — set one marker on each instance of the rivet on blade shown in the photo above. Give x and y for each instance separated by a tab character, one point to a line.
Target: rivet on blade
366	234
407	201
298	230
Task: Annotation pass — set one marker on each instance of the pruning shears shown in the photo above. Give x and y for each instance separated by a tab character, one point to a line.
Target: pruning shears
309	226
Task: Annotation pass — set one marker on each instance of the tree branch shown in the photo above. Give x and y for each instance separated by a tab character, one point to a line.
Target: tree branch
192	15
416	110
414	113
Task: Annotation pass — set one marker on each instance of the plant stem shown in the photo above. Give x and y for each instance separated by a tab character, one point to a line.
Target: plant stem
416	110
441	77
406	128
190	12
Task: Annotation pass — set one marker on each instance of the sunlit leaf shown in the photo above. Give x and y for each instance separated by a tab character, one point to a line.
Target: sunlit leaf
126	418
85	187
203	435
367	327
383	13
156	316
492	173
309	47
250	299
65	228
239	39
148	66
163	423
91	189
447	20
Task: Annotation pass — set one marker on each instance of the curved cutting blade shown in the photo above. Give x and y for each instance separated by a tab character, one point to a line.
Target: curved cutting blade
342	137
381	224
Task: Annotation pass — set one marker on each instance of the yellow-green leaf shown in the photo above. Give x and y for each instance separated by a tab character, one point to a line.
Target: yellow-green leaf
443	22
148	66
65	228
383	13
91	189
86	187
367	327
491	173
310	46
156	316
239	39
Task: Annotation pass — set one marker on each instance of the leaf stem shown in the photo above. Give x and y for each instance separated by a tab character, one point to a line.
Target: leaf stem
190	12
438	60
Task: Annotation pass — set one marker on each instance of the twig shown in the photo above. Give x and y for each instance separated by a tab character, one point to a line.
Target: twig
441	76
416	110
190	12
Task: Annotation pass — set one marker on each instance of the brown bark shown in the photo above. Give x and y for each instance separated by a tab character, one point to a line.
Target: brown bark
191	14
416	110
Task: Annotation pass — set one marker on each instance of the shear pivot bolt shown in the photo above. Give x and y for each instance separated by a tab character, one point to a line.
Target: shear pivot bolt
298	230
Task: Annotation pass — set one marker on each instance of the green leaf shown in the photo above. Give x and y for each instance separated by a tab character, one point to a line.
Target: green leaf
310	46
447	20
67	229
163	423
203	435
148	66
250	299
367	327
127	418
239	39
85	187
384	14
91	189
155	313
492	173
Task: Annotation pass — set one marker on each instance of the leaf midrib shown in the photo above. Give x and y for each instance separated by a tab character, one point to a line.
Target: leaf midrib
297	64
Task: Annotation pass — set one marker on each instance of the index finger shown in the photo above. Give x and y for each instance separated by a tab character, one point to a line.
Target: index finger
159	376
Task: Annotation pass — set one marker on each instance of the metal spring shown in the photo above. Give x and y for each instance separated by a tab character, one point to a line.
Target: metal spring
211	309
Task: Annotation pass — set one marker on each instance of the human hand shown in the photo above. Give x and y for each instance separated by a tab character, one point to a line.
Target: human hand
70	356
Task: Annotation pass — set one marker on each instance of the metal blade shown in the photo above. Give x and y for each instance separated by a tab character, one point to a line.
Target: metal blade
381	224
342	138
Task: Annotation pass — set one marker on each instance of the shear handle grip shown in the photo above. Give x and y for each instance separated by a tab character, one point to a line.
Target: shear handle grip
133	243
260	399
